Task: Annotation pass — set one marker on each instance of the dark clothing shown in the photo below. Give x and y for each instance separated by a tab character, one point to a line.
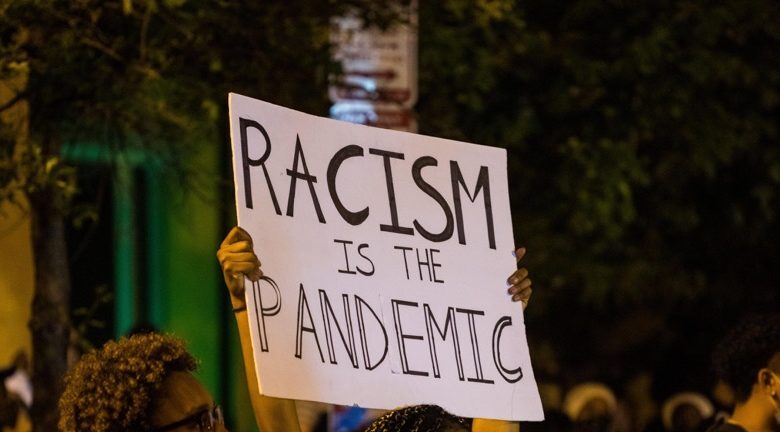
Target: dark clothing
726	427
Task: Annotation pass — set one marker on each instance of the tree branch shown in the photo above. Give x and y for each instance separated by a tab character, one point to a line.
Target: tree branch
11	102
144	31
102	48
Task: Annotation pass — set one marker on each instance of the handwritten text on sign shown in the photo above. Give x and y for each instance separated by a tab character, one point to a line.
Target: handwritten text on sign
386	256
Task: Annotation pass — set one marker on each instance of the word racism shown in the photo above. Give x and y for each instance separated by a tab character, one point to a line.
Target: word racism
300	171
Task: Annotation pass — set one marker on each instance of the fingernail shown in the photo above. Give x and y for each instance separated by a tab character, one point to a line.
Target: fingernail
514	280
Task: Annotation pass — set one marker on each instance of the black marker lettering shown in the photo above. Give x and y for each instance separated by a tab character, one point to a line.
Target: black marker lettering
310	179
302	303
483	183
262	311
510	375
245	124
406	264
423	262
360	252
346	257
401	337
417	167
353	218
475	345
329	316
394	227
348	269
434	264
360	304
449	323
426	261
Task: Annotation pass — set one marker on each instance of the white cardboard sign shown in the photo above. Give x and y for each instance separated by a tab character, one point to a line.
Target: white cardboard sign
386	256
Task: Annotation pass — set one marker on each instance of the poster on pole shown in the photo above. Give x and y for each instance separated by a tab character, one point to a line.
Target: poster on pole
378	65
385	257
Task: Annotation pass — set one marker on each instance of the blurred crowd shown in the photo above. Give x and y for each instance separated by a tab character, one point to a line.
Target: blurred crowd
587	407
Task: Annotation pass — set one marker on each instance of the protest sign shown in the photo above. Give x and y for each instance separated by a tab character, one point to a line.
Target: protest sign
385	257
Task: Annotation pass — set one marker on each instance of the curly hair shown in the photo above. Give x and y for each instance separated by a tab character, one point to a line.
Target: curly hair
746	349
419	418
112	388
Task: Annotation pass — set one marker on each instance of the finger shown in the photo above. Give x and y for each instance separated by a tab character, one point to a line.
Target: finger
519	253
244	233
236	267
236	234
517	276
514	289
231	237
238	247
238	256
523	295
255	274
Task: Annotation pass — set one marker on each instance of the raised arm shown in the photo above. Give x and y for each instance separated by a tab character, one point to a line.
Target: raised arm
237	258
520	290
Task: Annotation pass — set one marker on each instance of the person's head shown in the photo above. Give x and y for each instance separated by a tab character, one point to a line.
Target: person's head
140	383
590	406
748	360
686	412
419	418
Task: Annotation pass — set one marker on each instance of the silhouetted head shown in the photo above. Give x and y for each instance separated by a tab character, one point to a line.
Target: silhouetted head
140	383
591	407
749	348
686	412
419	418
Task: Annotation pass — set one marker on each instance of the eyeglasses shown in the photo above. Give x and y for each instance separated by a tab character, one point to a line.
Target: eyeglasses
206	420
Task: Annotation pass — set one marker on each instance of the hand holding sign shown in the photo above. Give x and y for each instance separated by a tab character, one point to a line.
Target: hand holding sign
237	258
520	283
